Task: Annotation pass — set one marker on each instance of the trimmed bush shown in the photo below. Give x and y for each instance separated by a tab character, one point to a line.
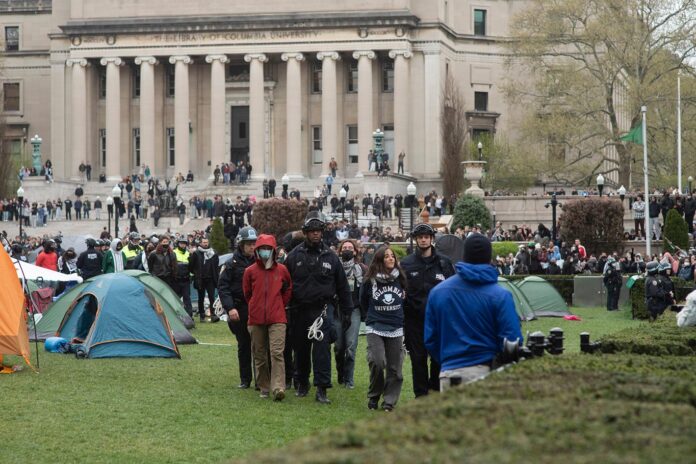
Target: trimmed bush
638	307
469	211
676	231
503	249
661	338
597	222
276	216
400	251
218	241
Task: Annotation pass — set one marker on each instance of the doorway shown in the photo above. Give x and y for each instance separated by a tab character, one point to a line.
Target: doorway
239	133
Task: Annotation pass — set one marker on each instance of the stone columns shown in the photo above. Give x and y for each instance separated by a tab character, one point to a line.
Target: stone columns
433	107
181	113
79	115
256	114
401	106
329	111
365	108
294	165
217	110
113	117
147	110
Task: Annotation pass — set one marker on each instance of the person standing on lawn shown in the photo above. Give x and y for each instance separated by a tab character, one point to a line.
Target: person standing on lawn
469	316
204	265
382	297
267	290
612	281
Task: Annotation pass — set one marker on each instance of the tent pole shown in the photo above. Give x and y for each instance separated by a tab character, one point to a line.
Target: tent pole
25	287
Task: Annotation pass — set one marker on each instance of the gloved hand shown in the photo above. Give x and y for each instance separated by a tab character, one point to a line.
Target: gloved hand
345	320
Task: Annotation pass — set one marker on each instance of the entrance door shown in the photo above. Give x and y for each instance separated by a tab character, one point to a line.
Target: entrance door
239	146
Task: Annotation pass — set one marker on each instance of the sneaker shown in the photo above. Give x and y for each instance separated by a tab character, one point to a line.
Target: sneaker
214	319
302	391
321	396
387	407
372	403
349	385
202	319
263	394
243	385
278	395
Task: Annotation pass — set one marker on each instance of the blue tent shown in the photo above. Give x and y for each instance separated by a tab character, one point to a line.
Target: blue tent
117	316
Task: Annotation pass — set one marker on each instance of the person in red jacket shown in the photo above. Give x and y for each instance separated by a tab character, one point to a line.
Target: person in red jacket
48	258
267	288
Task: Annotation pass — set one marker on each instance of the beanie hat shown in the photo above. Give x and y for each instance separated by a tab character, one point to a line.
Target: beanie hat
477	249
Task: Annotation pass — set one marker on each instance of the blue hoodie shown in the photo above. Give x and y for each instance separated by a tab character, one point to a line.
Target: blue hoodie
468	316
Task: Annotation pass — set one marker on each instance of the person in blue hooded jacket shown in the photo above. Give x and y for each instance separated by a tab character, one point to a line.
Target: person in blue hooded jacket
468	316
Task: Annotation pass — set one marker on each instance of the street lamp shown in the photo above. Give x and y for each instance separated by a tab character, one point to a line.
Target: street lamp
343	194
411	196
109	212
20	197
480	150
691	180
553	204
285	181
622	193
600	183
116	194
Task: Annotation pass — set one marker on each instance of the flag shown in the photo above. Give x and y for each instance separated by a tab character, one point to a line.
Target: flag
635	135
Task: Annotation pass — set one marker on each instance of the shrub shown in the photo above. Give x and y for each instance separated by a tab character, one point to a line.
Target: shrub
400	251
676	232
276	216
661	338
638	308
503	249
597	222
218	241
469	211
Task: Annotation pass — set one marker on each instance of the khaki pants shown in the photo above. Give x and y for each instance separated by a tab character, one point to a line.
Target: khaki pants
462	375
265	339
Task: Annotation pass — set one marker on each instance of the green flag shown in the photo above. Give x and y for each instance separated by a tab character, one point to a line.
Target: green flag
635	135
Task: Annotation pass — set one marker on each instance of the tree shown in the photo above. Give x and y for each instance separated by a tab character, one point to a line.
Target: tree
453	132
593	64
509	168
218	241
597	222
277	216
676	232
469	211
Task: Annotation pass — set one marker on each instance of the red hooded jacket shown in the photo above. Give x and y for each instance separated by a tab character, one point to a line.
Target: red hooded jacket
267	291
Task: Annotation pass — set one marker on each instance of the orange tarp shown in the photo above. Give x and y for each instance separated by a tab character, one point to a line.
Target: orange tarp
14	338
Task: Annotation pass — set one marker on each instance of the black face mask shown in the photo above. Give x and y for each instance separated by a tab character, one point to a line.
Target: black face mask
347	255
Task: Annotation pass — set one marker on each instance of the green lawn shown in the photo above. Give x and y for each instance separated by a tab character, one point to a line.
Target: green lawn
186	410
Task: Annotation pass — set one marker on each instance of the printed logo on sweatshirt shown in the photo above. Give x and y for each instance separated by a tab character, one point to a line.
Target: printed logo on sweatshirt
439	276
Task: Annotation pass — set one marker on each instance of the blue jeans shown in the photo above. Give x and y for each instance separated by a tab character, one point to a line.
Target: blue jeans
345	347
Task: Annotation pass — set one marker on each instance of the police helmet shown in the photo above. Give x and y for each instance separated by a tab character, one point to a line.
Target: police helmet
99	242
246	234
182	239
313	221
106	242
652	267
134	236
663	266
423	229
90	242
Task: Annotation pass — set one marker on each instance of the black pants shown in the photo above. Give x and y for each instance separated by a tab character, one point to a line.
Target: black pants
424	379
207	285
241	333
613	293
690	222
290	368
68	214
183	289
312	353
639	226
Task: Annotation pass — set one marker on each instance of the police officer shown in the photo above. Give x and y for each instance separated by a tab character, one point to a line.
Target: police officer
132	251
656	294
318	279
183	275
89	263
612	281
424	268
233	301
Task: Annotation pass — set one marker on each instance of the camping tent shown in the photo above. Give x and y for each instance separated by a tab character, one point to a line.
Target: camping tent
32	272
118	317
163	290
50	322
13	319
524	310
542	297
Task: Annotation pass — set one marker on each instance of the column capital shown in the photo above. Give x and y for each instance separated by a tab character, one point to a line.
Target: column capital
369	54
77	62
180	58
404	53
291	55
221	58
146	59
256	56
331	55
111	60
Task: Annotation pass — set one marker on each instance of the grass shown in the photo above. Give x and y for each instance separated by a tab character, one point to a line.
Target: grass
188	410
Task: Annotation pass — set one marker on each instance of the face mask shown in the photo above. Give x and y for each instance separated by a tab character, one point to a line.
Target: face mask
281	259
347	255
265	254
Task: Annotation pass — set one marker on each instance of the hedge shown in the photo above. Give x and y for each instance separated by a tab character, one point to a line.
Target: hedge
563	284
503	249
638	307
661	338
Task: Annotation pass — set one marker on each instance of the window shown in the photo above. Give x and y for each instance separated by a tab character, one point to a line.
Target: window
353	76
136	146
16	149
242	130
102	83
481	101
316	77
10	96
480	135
316	145
171	158
102	147
11	38
170	82
479	22
388	76
136	81
353	144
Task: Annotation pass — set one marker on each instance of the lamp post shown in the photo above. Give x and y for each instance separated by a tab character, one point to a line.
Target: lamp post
116	194
411	196
343	194
109	212
600	183
20	197
553	204
622	193
690	179
480	150
285	180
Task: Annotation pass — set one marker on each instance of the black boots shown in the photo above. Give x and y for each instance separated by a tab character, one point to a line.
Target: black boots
321	396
